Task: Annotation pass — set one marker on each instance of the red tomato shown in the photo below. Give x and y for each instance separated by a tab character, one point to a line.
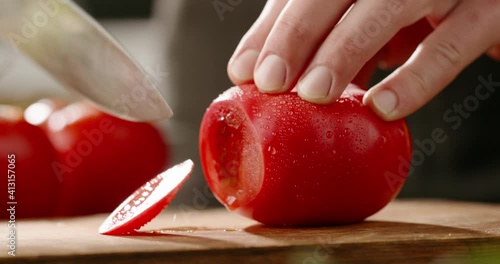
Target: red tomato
146	202
283	161
102	159
26	155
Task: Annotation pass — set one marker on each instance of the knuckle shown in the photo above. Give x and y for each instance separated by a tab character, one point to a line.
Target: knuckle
398	4
291	27
421	84
489	13
411	11
448	53
475	15
489	5
401	6
349	47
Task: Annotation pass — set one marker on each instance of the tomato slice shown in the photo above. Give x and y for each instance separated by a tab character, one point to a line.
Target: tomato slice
146	202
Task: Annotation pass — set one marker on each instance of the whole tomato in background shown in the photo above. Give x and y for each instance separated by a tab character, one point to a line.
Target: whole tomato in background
101	158
284	161
29	150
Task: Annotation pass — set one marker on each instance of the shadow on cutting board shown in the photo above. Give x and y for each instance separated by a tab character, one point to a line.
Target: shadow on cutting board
186	235
362	242
387	241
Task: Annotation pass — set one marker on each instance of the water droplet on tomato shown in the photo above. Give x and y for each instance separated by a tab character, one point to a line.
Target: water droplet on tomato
329	134
349	120
272	150
339	120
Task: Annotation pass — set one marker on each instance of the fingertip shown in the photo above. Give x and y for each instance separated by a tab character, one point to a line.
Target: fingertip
383	102
240	68
320	101
271	75
316	85
322	86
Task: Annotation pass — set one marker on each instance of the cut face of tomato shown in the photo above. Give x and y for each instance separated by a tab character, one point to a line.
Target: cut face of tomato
233	156
147	201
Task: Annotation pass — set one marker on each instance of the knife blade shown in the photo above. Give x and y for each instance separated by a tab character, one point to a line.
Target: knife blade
79	53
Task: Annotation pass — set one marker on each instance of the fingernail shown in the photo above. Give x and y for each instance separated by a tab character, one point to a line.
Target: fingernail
385	101
243	65
271	74
316	84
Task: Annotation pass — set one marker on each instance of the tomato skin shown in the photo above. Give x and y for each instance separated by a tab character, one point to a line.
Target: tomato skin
36	185
147	202
101	158
310	164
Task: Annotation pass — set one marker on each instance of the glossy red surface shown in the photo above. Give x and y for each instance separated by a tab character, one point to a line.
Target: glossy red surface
283	161
26	156
101	158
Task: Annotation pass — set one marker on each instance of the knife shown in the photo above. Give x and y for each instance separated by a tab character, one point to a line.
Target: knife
79	53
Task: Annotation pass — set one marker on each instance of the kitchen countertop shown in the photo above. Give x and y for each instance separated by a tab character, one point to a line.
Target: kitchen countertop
413	231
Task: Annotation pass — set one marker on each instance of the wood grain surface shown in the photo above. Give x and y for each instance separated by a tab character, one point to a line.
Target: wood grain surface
406	231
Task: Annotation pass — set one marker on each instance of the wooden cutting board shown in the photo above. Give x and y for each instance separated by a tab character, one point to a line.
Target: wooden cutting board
413	231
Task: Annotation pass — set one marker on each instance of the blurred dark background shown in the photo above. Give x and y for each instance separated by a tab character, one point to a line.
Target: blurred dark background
200	42
124	9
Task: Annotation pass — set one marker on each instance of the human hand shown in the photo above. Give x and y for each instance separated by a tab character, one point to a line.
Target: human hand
302	45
